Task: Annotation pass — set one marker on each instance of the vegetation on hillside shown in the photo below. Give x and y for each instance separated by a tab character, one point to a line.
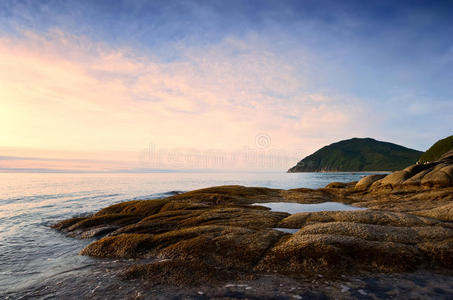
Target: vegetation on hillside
437	150
358	154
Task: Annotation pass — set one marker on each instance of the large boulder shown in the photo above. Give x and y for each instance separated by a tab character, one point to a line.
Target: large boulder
419	176
367	181
392	180
437	177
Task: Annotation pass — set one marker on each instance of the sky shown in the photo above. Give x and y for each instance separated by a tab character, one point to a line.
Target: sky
138	85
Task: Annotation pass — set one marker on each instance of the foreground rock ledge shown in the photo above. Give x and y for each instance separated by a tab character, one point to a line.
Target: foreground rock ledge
213	235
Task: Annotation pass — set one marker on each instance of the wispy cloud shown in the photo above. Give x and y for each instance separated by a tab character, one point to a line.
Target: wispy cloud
206	76
69	93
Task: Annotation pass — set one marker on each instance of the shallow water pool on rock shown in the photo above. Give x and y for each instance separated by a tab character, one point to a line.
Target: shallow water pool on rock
294	208
287	230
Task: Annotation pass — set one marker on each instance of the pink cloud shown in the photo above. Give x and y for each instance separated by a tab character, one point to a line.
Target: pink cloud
66	93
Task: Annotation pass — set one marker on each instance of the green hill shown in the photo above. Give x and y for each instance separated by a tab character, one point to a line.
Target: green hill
358	154
435	152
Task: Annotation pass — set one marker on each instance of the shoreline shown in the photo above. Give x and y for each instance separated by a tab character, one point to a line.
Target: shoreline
213	236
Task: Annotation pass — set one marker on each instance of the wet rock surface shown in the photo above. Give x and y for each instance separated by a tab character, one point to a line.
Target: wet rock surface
213	236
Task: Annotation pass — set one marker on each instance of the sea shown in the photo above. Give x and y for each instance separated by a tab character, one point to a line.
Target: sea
38	262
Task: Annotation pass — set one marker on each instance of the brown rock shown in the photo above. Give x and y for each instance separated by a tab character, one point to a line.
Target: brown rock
215	234
228	194
441	253
62	225
448	170
336	185
381	233
138	207
324	247
444	212
361	216
96	231
447	156
181	273
437	177
417	178
392	180
324	253
366	181
229	247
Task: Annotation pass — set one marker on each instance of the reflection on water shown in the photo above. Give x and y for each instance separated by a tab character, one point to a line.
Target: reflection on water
294	208
286	230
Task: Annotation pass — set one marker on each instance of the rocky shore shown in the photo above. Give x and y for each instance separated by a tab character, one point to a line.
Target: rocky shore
215	235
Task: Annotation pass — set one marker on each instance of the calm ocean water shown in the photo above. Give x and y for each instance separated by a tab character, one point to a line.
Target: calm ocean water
38	262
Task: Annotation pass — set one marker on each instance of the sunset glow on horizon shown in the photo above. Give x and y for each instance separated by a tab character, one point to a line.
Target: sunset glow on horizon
203	84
